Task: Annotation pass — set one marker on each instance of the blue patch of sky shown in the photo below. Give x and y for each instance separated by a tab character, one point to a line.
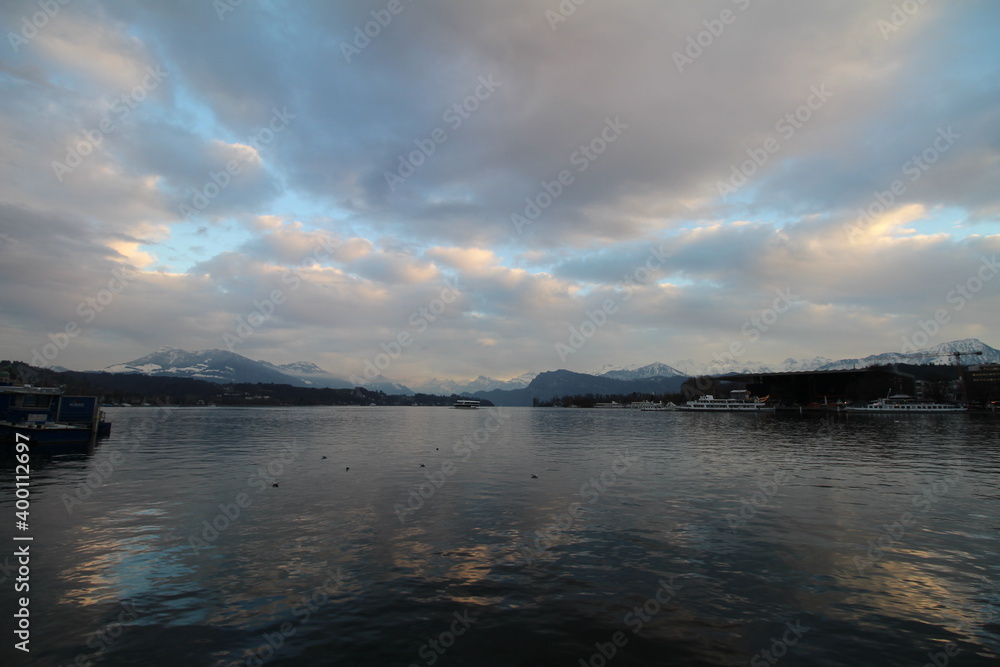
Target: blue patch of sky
950	220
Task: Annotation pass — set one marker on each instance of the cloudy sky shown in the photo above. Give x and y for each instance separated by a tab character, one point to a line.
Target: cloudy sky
493	188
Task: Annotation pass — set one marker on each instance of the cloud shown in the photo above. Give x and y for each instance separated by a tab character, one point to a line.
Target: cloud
534	164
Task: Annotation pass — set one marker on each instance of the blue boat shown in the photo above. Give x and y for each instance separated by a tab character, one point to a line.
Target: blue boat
47	415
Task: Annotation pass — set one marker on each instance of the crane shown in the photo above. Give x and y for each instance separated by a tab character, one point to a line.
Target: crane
953	353
942	354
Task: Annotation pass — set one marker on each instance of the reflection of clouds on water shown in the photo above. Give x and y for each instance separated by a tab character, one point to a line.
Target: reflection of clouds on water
665	518
125	558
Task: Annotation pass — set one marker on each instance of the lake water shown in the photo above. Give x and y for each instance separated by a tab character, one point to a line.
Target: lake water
644	538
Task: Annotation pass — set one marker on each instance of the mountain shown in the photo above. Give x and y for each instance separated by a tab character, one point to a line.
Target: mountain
385	385
567	383
730	366
653	370
481	383
218	366
221	366
722	367
791	365
312	375
940	355
225	367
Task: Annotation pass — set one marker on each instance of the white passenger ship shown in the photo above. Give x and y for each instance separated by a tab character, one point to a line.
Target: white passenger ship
739	400
904	403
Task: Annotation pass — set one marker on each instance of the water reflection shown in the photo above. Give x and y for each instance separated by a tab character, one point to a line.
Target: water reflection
760	520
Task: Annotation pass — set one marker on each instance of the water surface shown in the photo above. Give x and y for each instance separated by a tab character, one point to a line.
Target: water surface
657	538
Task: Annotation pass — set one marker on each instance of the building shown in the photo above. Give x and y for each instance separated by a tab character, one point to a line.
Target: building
982	383
804	387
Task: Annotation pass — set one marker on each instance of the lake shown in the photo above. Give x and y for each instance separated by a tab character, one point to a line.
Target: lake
513	536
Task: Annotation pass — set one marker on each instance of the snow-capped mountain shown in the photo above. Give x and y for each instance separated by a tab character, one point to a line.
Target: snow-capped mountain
653	370
481	383
721	367
940	355
312	375
225	367
792	365
212	365
384	384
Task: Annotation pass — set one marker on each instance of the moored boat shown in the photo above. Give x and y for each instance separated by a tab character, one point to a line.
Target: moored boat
739	400
46	415
658	407
903	403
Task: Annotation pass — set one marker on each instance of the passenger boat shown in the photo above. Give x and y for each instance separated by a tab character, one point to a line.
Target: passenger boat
46	415
739	400
466	404
904	403
657	407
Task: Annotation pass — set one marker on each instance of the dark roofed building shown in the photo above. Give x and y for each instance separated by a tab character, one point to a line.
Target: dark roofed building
804	387
982	383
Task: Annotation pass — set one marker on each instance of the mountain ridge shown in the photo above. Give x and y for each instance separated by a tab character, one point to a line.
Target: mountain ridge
221	366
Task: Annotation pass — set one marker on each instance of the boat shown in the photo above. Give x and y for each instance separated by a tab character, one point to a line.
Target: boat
45	415
658	407
466	404
814	407
901	403
739	400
